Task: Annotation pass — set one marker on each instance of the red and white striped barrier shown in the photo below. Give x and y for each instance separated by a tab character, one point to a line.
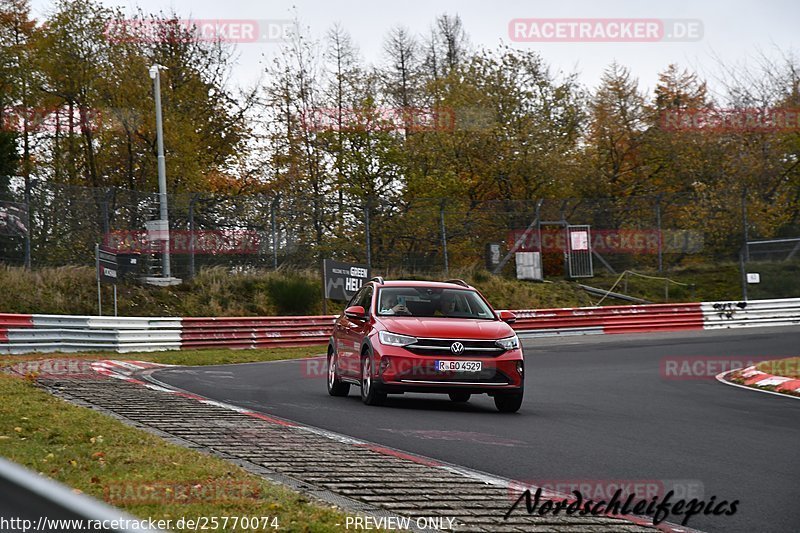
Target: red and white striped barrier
65	333
255	332
612	319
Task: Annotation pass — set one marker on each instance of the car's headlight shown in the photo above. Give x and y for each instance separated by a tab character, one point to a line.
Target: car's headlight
509	343
394	339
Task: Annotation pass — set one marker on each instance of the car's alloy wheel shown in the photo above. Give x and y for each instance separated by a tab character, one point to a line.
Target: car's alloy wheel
335	386
369	395
460	397
508	403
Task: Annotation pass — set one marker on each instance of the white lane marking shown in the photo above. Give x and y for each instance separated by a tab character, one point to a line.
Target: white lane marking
125	364
223	405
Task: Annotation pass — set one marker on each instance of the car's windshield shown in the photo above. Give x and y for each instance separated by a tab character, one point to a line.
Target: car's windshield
432	302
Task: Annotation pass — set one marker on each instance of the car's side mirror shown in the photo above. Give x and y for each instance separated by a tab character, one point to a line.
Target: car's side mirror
508	317
356	312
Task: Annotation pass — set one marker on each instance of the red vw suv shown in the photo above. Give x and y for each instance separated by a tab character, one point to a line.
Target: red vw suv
418	336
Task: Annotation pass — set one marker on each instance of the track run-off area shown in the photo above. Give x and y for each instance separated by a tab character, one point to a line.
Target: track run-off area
598	411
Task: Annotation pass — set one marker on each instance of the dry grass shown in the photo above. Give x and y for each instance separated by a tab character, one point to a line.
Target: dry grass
787	368
220	356
218	292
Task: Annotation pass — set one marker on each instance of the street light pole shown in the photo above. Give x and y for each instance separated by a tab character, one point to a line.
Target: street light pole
155	74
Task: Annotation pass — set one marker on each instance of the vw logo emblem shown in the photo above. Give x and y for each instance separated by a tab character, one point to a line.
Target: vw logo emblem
456	348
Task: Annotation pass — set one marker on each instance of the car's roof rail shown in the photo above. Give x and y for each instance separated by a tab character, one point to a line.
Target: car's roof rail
378	280
458	282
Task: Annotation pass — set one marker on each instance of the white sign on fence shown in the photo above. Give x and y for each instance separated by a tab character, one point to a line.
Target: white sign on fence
529	265
753	277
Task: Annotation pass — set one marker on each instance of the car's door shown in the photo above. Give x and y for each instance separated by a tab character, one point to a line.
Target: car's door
348	334
361	329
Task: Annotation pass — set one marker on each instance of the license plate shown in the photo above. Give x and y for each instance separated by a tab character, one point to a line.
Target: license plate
458	366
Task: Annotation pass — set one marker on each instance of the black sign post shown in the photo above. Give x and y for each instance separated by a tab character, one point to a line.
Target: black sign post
340	281
108	271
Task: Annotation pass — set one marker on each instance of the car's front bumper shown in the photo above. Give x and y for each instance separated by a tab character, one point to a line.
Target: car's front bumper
398	370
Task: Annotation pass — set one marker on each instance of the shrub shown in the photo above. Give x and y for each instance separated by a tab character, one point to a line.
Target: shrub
294	295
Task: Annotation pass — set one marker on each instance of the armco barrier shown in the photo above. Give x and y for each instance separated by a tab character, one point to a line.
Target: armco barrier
65	333
784	312
255	332
612	319
49	333
12	321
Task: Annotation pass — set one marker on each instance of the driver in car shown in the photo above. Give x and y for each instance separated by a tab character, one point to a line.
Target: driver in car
447	304
391	305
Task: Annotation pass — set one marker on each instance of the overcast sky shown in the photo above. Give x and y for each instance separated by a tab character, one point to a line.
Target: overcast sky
733	31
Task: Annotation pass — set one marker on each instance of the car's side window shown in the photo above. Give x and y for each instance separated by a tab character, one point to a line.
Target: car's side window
356	299
366	300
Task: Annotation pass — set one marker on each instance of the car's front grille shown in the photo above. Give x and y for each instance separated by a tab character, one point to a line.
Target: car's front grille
472	348
488	376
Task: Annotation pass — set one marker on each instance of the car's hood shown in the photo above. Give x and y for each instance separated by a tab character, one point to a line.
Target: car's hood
446	328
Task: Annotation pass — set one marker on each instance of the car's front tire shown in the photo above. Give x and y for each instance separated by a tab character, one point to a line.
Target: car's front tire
508	403
336	387
369	391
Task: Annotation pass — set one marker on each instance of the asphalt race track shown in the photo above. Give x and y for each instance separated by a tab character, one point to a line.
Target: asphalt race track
596	408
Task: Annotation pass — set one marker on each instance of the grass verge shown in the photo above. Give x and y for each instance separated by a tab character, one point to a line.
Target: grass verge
141	473
182	357
788	367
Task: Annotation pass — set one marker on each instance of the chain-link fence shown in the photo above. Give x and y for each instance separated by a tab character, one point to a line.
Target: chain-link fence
770	268
54	225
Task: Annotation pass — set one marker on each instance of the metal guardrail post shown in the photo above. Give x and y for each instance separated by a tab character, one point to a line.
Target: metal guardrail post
660	236
272	207
97	275
745	224
743	269
367	232
192	202
444	238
